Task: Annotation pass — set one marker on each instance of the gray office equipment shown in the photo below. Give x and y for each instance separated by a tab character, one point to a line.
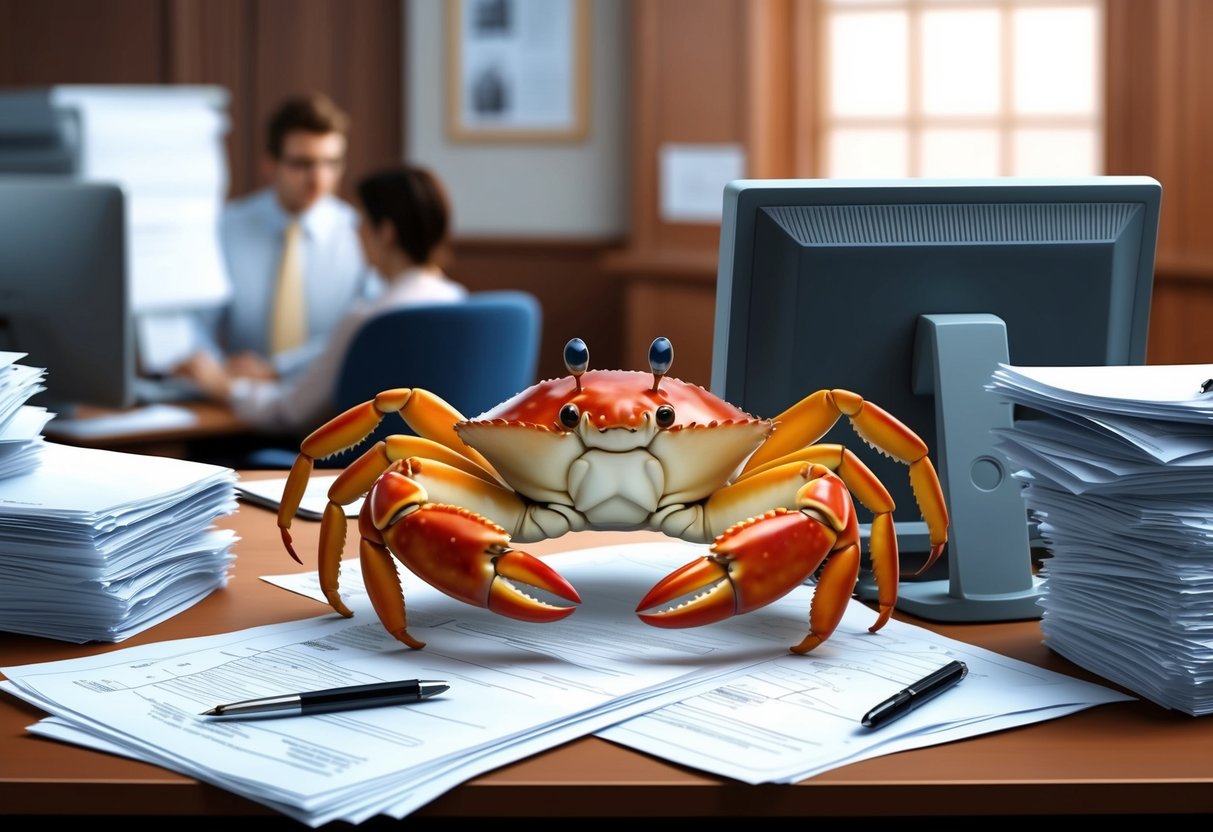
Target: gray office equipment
165	145
37	136
64	294
910	292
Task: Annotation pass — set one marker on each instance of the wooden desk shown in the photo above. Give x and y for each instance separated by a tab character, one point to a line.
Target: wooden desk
1122	758
211	422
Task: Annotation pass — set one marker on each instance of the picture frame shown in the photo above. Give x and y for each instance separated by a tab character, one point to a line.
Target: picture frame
518	70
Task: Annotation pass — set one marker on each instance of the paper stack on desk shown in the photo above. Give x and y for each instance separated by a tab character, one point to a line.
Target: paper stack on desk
20	424
99	545
1118	469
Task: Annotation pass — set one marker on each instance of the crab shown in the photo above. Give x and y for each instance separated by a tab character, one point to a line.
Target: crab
615	450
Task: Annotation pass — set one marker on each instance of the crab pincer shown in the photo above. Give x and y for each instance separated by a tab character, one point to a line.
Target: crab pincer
469	558
761	559
751	565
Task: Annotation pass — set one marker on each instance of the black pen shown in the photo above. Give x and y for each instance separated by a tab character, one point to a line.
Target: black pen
904	701
333	699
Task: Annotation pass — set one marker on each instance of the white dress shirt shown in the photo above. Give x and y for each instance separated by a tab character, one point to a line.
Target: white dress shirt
301	404
335	274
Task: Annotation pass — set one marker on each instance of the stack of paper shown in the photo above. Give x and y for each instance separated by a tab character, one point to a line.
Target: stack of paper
1118	468
98	545
20	424
517	689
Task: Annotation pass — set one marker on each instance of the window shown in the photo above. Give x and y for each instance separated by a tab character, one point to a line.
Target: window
940	88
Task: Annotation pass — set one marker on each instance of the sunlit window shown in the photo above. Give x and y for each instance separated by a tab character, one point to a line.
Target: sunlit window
942	88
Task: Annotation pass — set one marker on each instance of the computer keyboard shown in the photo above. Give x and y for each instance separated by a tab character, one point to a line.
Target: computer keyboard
150	390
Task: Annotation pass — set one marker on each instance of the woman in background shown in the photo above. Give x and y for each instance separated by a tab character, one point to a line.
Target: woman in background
404	227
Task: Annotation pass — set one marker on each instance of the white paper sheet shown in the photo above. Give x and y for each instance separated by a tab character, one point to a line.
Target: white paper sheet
791	717
268	493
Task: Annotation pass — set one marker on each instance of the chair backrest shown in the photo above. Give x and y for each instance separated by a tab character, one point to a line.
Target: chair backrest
473	353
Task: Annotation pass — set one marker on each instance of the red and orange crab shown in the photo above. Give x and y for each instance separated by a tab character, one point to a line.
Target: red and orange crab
615	449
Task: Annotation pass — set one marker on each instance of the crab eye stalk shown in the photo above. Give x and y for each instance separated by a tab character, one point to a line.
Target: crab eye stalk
576	358
665	416
570	415
661	356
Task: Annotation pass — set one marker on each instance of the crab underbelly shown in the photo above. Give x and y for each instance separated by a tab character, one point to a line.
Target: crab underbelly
616	490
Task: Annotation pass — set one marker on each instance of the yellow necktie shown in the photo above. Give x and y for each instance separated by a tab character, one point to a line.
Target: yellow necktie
288	325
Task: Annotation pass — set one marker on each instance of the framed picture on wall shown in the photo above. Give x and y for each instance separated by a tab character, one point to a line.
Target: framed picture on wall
518	70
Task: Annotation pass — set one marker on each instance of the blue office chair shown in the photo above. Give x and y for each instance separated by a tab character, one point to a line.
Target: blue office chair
474	353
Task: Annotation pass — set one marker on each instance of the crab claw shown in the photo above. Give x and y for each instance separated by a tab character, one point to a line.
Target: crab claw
717	604
751	565
468	557
506	599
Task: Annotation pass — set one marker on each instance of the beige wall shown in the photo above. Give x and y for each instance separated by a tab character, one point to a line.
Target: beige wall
537	190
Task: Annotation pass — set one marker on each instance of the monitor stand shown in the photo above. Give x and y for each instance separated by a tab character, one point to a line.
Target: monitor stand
988	554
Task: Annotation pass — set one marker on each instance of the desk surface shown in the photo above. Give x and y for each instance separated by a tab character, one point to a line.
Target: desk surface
210	420
1122	758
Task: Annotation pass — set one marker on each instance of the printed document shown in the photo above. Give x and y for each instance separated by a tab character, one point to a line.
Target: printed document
790	717
516	689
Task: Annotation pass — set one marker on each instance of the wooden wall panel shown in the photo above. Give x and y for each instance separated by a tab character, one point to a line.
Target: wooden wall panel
696	67
73	42
210	42
681	309
1160	123
689	85
580	298
1180	332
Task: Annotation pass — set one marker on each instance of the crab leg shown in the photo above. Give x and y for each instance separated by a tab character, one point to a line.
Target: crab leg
867	488
778	483
761	559
425	413
808	420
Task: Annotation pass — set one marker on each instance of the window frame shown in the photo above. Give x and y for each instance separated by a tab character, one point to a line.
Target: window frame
812	26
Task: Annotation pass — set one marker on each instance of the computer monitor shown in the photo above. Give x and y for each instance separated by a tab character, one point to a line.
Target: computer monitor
909	293
64	296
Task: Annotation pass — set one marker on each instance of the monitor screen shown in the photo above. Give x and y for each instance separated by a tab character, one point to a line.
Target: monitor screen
64	297
901	290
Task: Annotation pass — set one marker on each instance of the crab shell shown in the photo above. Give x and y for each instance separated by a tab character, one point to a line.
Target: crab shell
701	451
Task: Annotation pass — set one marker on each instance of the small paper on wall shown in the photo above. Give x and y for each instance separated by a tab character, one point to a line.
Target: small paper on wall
693	177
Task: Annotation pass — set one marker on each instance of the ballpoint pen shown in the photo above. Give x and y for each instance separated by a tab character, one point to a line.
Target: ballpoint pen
332	699
909	698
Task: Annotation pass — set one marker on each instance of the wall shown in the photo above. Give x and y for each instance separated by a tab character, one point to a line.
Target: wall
1160	123
541	216
537	190
260	50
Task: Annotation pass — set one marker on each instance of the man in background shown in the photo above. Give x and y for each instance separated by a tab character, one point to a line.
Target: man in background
291	249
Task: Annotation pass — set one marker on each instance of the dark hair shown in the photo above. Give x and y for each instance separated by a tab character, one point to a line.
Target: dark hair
315	113
415	202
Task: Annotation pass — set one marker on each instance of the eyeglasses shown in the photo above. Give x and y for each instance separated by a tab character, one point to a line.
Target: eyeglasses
302	164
